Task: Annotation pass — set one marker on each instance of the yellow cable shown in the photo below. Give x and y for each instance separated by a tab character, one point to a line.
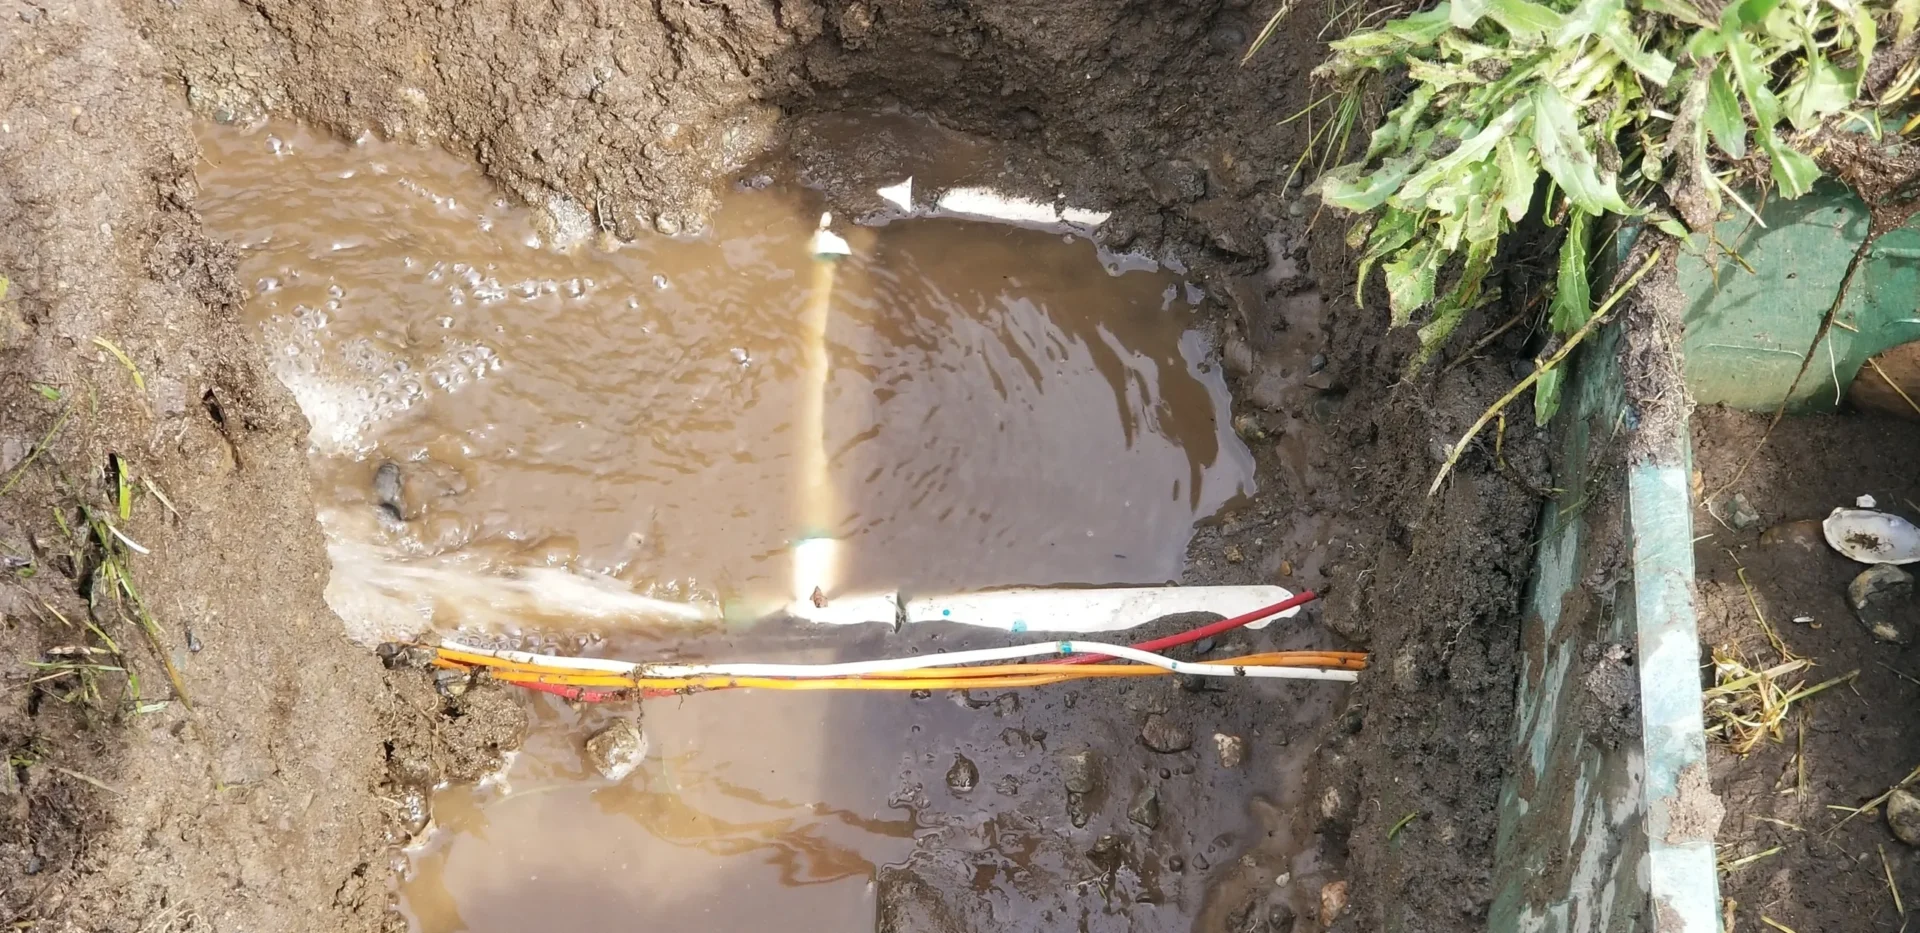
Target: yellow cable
1012	675
1339	660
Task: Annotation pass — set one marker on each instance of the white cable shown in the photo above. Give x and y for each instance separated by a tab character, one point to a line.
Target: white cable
890	665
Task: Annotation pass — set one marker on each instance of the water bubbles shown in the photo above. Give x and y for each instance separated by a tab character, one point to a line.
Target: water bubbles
278	146
741	356
660	282
336	292
265	285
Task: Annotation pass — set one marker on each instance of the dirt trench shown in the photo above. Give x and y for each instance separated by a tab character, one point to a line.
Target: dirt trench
266	802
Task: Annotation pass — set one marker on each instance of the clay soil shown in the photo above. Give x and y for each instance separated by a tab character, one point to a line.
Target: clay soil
266	787
1844	746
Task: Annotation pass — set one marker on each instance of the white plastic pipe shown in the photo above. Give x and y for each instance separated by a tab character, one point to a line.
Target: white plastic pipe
1033	609
816	556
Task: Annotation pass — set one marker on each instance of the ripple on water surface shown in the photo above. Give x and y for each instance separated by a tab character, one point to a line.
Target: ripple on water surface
1001	410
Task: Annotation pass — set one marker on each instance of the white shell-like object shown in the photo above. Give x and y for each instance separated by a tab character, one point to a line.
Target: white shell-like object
1872	537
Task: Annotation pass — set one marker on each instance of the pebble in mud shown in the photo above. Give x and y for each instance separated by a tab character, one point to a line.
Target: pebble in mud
1165	736
963	775
1903	817
1333	900
1081	771
1078	811
416	811
1875	595
615	751
1232	749
1145	808
387	492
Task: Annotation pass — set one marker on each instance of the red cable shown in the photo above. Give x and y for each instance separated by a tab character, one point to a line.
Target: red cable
1204	631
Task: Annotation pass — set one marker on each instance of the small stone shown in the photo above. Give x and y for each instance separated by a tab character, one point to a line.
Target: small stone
1176	864
1081	771
1203	646
1744	515
1903	817
856	21
1177	182
452	683
963	775
1875	596
1145	808
1007	786
1078	810
1805	534
1248	427
388	492
416	810
1234	555
1108	852
1333	900
615	751
1286	568
1165	736
1317	363
1232	748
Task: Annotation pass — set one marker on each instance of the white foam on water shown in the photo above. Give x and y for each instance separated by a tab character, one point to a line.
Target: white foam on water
347	389
384	595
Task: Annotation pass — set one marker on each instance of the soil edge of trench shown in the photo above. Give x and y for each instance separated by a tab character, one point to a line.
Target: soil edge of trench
271	803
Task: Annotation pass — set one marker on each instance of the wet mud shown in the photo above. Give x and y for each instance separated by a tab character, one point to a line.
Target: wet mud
627	122
1844	746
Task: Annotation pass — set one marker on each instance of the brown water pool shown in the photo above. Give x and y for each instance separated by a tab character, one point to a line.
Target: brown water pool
588	431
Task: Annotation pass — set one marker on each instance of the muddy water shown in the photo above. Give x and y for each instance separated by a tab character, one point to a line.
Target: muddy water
1002	410
591	434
